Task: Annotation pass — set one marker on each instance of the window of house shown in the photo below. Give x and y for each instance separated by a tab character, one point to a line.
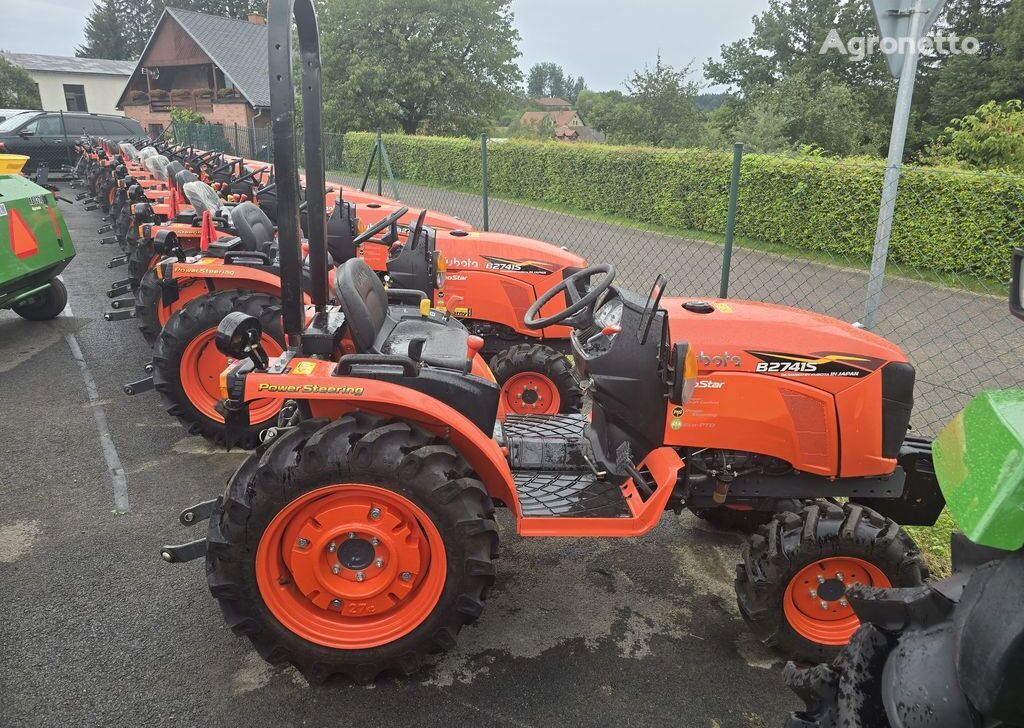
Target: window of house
155	130
74	97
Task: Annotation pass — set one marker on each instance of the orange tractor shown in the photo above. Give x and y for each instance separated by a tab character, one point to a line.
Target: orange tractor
360	537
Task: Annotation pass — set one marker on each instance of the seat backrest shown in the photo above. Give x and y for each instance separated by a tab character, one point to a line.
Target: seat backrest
157	165
252	225
173	168
183	177
201	196
364	301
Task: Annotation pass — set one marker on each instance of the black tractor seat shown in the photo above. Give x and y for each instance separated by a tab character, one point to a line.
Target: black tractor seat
378	327
255	229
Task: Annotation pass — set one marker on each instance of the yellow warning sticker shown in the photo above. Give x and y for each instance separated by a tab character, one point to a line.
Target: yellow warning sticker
723	307
304	368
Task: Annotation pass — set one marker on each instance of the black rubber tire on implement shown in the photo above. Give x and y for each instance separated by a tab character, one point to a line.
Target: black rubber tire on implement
186	324
45	305
139	259
543	360
744	521
791	541
147	307
396	455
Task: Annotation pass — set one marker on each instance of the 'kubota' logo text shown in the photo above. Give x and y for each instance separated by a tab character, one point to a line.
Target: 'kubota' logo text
725	359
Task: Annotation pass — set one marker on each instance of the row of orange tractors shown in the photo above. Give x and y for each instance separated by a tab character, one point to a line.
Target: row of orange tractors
399	376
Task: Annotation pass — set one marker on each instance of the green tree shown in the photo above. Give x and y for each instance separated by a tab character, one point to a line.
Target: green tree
447	67
990	138
664	110
956	85
536	80
17	89
117	29
791	92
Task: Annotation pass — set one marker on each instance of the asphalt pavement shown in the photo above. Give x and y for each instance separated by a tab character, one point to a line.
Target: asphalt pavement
95	630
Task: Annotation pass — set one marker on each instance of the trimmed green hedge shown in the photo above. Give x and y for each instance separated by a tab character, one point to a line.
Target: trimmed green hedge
947	221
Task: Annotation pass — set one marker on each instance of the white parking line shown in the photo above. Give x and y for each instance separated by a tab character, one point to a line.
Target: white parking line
117	475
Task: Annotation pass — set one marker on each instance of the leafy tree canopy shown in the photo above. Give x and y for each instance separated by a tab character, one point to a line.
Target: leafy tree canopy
442	66
17	89
550	79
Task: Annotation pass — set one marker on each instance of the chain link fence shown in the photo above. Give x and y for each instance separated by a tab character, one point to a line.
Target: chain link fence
802	233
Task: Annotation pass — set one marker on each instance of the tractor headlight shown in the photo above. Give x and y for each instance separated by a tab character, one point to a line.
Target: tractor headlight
441	272
689	374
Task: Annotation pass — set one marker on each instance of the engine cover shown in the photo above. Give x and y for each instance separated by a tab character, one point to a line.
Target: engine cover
792	384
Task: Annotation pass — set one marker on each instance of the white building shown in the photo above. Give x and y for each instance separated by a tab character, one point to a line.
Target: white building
76	84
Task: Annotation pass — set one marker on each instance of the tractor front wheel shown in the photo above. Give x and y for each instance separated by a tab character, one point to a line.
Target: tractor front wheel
45	305
536	380
352	547
187	365
791	586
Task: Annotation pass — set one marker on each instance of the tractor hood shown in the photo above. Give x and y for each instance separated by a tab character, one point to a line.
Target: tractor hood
506	253
764	338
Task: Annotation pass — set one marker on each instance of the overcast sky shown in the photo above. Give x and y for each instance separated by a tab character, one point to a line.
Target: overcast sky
601	39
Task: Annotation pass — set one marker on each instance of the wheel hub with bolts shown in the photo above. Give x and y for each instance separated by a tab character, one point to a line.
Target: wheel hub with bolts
351	562
815	600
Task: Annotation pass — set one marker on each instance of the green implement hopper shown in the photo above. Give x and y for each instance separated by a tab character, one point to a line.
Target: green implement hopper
35	246
979	460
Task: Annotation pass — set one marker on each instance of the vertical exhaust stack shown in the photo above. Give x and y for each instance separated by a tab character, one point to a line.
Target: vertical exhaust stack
286	168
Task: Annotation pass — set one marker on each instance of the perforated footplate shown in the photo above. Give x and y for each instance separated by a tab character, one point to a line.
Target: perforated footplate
545	442
568	495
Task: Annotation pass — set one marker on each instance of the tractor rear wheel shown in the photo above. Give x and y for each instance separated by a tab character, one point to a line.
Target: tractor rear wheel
352	547
45	305
791	585
536	380
140	262
187	364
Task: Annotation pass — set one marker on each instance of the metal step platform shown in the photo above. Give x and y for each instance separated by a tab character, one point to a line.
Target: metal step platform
546	442
561	494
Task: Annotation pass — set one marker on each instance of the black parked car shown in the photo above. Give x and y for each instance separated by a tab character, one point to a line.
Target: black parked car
49	136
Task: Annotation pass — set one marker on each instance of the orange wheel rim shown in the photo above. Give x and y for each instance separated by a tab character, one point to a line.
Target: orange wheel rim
351	566
200	369
530	393
815	600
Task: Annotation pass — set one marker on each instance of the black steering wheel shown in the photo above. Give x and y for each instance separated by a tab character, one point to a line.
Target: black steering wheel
388	221
579	312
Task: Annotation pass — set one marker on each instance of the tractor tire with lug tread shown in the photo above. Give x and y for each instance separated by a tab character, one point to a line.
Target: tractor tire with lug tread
45	305
536	369
139	260
148	299
252	554
778	584
198	320
746	520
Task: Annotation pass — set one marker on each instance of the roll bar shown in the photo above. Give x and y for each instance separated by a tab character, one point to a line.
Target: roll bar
286	168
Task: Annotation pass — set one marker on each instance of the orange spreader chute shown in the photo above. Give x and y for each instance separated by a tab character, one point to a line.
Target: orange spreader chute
23	242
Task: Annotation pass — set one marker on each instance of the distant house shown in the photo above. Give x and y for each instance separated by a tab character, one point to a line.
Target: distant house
214	65
559	118
75	84
568	125
578	134
552	103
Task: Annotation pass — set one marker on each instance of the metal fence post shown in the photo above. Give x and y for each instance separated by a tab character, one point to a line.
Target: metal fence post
238	149
730	222
380	163
483	169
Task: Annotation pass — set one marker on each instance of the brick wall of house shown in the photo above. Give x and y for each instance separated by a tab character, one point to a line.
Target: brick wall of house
226	114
